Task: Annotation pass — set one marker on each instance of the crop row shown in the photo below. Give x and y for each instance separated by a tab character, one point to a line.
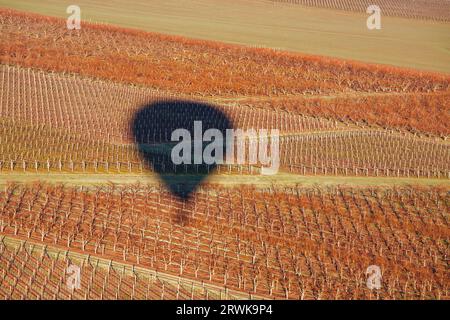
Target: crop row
285	243
33	148
193	67
419	113
367	150
103	110
438	10
31	271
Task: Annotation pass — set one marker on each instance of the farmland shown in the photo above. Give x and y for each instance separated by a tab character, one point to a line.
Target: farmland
243	72
107	279
332	234
363	179
402	42
65	132
437	10
156	60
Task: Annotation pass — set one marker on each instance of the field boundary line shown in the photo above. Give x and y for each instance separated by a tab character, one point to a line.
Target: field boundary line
86	258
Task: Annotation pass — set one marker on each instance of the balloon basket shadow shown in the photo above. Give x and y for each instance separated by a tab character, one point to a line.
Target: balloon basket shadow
186	206
184	215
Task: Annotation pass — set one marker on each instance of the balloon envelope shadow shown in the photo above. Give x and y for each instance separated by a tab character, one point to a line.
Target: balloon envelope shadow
153	126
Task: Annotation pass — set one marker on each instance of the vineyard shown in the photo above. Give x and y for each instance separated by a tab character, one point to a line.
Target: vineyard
292	243
201	68
71	132
364	172
386	92
43	274
416	113
376	153
102	110
438	10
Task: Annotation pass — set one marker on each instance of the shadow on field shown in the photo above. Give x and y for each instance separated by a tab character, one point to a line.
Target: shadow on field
153	126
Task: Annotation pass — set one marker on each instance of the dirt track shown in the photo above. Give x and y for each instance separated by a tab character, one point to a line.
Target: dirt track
283	179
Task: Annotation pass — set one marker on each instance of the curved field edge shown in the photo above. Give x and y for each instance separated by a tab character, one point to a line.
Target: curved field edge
258	23
414	112
417	112
195	67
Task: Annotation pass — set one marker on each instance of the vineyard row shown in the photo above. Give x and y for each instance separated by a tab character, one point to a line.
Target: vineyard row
201	68
33	271
141	167
437	10
301	243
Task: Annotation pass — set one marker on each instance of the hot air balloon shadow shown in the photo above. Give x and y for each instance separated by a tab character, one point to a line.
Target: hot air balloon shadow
153	125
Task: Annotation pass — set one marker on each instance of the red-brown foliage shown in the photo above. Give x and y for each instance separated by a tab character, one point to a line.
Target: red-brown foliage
189	66
418	112
292	243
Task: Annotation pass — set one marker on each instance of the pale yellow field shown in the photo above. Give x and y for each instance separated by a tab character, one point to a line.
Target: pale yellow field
259	181
402	42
